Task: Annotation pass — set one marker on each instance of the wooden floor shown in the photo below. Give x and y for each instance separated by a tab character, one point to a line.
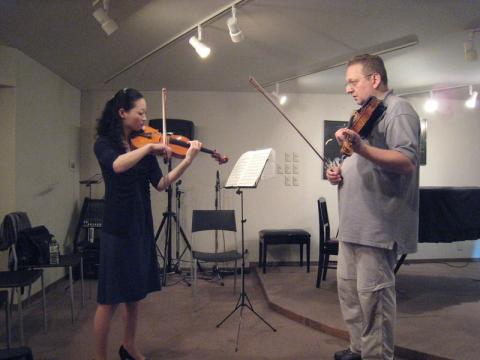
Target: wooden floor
438	307
438	318
174	325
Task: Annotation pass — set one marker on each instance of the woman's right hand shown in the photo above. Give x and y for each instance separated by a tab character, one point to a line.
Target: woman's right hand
334	175
161	149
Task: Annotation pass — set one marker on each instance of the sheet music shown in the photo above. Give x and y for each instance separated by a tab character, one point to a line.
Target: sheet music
248	169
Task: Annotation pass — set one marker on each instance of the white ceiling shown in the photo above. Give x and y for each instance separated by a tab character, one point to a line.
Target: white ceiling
283	38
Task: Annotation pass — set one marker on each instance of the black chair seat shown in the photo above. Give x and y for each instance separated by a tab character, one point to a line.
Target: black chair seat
218	257
64	261
211	220
21	353
20	278
332	244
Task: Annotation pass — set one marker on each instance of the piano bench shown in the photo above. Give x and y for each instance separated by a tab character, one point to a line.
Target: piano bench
280	237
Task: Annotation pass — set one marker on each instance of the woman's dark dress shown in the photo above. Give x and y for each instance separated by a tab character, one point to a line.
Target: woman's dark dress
128	263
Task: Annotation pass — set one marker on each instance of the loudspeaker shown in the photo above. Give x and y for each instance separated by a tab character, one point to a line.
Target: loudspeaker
91	260
175	126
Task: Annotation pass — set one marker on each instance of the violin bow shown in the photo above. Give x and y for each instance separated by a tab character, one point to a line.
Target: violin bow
264	92
164	116
164	119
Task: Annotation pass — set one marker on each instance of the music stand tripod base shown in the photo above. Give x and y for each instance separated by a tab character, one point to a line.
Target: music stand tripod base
243	300
169	217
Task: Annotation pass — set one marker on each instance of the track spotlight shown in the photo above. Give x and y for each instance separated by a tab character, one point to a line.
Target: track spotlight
235	33
472	100
431	105
281	98
470	52
202	50
101	15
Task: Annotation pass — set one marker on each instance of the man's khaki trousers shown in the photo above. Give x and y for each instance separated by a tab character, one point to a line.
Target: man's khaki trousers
366	290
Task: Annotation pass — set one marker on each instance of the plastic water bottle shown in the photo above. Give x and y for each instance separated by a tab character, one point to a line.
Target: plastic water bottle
54	252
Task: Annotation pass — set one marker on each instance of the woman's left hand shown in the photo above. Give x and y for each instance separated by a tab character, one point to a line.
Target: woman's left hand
193	150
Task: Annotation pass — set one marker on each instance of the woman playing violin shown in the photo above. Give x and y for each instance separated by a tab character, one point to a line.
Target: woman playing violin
128	263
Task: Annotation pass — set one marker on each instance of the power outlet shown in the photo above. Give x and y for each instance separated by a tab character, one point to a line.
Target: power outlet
295	181
288	168
295	169
288	180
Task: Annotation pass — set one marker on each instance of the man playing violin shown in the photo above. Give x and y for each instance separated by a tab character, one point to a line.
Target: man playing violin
128	268
378	210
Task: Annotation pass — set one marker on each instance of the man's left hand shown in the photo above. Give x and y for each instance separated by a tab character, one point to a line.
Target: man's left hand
355	139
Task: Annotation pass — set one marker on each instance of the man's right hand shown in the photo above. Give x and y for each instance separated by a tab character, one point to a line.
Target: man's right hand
334	175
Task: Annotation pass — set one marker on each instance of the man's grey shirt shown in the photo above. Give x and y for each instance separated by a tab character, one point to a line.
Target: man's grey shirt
378	207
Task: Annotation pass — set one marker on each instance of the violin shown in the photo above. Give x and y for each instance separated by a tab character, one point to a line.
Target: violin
362	122
178	143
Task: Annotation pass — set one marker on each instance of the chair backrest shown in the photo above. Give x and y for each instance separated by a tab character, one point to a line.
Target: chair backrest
11	225
213	220
324	223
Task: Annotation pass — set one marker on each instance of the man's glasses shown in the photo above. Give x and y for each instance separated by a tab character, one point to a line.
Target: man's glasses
354	83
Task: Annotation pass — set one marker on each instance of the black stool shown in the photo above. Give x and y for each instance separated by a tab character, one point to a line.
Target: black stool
284	236
21	353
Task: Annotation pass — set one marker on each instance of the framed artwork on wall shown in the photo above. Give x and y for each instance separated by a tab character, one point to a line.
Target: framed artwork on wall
423	141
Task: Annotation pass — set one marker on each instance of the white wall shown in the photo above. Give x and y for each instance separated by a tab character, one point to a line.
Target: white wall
233	123
7	165
46	138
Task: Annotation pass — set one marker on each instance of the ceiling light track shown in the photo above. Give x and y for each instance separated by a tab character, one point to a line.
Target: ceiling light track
209	19
427	91
381	49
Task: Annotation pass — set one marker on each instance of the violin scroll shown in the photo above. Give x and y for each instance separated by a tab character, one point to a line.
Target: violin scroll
219	157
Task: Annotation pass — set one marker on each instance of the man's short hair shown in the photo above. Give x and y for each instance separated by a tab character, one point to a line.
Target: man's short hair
371	64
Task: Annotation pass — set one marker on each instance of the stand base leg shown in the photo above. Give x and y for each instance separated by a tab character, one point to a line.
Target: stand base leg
232	312
238	330
240	304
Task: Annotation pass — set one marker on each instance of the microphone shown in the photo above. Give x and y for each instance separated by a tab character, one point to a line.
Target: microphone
217	189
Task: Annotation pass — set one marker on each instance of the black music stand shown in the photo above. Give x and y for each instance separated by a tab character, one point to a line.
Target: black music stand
251	163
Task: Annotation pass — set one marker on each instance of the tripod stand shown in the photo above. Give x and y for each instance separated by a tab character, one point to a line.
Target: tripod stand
243	300
168	217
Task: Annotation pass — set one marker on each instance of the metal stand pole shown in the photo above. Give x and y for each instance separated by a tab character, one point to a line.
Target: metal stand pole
243	300
217	276
168	216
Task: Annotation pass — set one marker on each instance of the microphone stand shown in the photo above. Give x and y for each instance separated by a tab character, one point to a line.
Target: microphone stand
168	217
217	276
177	267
